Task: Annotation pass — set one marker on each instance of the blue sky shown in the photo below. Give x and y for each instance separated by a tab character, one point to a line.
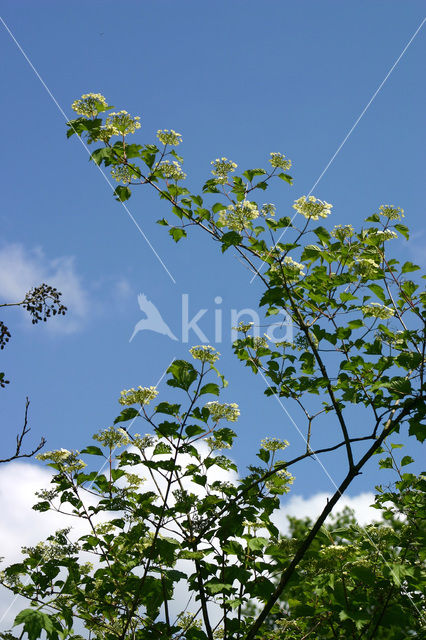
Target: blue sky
237	79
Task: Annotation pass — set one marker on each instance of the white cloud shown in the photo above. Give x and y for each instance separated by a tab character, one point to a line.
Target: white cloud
20	270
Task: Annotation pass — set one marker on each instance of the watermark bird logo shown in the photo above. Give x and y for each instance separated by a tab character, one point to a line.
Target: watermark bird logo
153	320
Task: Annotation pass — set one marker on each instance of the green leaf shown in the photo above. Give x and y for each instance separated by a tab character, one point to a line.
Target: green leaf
93	451
211	387
313	252
232	238
104	154
386	463
177	233
322	234
122	193
375	288
417	429
403	230
35	622
251	173
374	218
264	455
355	324
406	460
183	374
218	587
286	177
127	414
218	206
194	430
167	408
409	266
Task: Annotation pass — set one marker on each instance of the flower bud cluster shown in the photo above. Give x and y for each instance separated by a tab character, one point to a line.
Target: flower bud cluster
112	437
121	123
88	105
260	342
218	411
171	137
237	217
222	166
217	444
279	161
172	170
123	173
391	212
377	310
341	232
274	444
366	266
141	395
311	208
382	236
205	353
268	210
67	459
244	327
293	266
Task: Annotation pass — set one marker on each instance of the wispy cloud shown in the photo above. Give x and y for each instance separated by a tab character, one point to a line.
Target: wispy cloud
21	269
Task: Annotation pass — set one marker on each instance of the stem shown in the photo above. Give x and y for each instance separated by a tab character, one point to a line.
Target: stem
203	601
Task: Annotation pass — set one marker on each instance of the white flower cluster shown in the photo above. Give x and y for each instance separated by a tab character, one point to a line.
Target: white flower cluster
260	342
205	353
386	234
286	479
341	232
172	170
229	412
377	310
88	104
237	217
141	395
122	123
112	437
105	133
123	173
52	550
294	266
391	212
366	266
279	161
171	137
312	208
188	621
334	550
222	166
268	210
274	444
69	459
143	442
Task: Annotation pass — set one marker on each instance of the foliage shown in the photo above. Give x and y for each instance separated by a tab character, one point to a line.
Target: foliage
360	343
359	582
